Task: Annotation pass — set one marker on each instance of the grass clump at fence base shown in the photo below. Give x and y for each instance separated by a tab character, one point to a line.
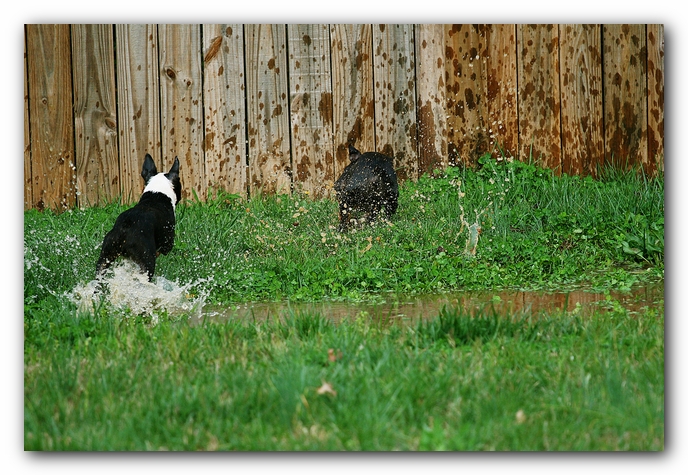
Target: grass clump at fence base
537	230
302	382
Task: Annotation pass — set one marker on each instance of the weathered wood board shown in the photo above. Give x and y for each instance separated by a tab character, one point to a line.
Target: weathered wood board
224	90
267	109
181	98
625	101
51	120
353	102
138	103
28	189
431	102
310	100
467	93
95	114
539	109
655	97
395	97
581	99
502	91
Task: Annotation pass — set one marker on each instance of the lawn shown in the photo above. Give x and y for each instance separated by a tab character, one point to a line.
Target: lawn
105	378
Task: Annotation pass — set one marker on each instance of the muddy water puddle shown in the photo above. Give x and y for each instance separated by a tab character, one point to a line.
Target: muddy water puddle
412	308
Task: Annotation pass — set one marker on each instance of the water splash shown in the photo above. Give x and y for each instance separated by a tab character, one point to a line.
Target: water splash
126	290
473	229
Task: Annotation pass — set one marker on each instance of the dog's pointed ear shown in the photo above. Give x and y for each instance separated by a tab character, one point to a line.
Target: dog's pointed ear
174	171
149	170
353	153
173	176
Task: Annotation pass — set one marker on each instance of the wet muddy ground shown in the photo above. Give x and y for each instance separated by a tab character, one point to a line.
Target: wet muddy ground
411	308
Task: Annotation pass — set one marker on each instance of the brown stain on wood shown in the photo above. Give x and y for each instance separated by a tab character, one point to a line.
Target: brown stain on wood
325	107
430	154
303	168
214	49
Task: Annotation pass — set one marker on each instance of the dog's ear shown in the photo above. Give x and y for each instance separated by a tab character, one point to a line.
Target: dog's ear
174	171
353	153
149	170
173	176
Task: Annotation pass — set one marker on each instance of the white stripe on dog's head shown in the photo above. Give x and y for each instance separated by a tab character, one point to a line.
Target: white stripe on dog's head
160	184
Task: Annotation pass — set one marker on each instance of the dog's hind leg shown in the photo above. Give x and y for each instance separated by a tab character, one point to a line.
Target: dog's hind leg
149	266
110	251
144	256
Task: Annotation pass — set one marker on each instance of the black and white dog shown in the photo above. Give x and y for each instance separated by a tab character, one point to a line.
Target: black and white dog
143	232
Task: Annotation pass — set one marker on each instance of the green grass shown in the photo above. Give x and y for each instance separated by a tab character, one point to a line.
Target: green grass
539	231
112	380
560	382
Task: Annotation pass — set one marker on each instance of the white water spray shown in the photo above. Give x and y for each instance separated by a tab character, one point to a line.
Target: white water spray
125	289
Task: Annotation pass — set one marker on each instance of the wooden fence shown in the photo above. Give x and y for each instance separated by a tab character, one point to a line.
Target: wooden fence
272	107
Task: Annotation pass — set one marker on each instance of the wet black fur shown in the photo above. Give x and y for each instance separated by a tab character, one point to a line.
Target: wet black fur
146	230
367	184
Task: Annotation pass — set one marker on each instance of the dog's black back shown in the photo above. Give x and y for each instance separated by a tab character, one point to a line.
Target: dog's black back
368	183
142	232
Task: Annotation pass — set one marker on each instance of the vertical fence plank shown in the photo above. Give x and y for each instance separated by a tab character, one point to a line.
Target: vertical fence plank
395	97
581	99
502	88
625	106
655	96
225	109
467	93
430	87
353	103
267	109
181	97
95	115
538	94
310	99
138	104
28	188
50	116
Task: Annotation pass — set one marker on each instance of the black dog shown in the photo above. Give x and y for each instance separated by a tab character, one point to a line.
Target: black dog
143	232
367	184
